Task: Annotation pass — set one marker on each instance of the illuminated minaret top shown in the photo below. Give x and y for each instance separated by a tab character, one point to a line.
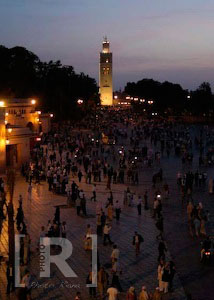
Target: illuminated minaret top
105	74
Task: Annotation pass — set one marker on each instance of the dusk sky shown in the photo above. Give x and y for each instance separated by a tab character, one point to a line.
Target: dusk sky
160	39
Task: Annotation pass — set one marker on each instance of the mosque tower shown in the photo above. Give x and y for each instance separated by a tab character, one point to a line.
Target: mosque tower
105	74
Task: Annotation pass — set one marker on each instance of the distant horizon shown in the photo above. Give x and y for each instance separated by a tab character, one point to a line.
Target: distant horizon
171	42
119	86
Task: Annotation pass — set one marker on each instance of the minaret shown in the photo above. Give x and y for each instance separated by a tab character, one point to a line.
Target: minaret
105	76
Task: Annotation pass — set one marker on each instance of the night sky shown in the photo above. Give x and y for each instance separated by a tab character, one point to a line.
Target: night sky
160	39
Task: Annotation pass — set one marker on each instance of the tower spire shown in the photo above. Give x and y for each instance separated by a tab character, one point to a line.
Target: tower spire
105	78
105	39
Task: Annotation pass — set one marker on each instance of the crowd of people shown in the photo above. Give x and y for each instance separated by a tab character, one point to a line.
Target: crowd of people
76	152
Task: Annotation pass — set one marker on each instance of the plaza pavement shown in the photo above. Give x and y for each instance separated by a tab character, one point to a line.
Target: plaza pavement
135	271
185	250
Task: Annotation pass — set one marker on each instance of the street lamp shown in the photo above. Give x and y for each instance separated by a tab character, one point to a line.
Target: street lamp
80	101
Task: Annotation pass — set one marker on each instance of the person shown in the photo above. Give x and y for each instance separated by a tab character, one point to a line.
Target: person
64	231
57	215
49	228
110	211
160	273
139	204
137	240
159	225
10	278
102	281
78	205
155	207
143	294
83	205
166	278
103	219
78	296
87	239
131	294
94	193
92	290
106	232
27	285
189	210
172	274
80	175
161	249
112	293
115	254
197	225
157	294
117	210
99	224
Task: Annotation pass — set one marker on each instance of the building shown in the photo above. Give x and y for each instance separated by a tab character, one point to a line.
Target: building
20	127
121	99
105	74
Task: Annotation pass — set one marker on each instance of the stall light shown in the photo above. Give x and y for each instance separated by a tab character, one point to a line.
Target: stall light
7	142
51	115
10	130
2	103
38	139
39	112
37	119
33	101
115	97
6	114
5	122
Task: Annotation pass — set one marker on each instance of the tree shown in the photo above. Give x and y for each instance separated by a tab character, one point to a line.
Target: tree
23	75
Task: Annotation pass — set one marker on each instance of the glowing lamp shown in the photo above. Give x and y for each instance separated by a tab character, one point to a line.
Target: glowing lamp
80	101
